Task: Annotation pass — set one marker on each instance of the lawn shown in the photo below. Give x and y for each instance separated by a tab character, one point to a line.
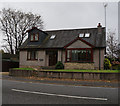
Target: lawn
63	70
22	68
98	71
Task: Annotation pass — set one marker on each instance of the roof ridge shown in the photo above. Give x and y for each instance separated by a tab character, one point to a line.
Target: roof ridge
70	29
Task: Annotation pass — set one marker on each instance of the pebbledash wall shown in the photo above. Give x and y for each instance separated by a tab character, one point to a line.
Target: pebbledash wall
61	57
41	56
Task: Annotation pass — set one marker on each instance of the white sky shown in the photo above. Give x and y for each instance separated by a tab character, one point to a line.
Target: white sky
65	15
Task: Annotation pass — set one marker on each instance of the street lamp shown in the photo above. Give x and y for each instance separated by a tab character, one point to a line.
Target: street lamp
105	5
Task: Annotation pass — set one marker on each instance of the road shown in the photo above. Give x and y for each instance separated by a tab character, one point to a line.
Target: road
19	92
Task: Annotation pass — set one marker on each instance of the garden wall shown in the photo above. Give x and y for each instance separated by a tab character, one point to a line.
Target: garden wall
66	75
79	66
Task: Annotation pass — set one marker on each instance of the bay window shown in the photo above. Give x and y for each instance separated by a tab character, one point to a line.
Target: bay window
79	55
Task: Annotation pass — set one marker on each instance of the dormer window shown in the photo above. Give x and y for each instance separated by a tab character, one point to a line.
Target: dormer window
52	37
34	37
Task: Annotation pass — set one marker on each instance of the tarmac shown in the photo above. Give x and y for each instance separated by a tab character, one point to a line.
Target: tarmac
93	83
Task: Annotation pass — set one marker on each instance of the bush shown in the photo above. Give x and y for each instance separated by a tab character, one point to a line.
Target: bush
107	64
119	67
59	65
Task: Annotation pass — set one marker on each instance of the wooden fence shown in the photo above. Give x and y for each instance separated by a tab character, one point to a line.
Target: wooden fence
6	65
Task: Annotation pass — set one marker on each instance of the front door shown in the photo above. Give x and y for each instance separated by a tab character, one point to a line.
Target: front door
52	58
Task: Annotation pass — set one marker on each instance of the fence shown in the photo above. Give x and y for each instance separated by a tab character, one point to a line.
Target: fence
6	65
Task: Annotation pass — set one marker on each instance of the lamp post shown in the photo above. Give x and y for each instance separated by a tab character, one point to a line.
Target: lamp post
105	5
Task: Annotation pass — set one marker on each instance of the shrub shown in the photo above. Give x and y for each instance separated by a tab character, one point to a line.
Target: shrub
59	65
119	67
107	64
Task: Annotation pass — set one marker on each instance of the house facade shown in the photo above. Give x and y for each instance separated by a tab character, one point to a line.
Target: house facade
75	48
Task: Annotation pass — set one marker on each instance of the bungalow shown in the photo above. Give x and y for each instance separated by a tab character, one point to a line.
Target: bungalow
75	48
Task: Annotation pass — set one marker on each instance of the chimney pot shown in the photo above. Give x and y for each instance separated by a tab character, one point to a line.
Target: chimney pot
99	28
99	25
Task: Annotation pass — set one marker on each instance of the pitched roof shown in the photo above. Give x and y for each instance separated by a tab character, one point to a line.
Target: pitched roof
64	37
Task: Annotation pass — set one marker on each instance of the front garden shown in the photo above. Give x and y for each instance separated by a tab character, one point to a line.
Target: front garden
63	70
95	71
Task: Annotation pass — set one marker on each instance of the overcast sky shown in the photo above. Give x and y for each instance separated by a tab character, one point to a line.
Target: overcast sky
70	15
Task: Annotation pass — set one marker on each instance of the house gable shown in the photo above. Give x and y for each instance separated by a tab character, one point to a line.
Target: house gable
79	44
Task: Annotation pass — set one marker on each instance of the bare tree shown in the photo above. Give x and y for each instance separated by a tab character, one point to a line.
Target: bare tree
112	45
14	24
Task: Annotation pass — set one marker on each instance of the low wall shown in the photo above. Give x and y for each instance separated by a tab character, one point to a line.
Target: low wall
20	73
66	75
89	66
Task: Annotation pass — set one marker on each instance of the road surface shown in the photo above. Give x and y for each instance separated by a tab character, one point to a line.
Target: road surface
19	92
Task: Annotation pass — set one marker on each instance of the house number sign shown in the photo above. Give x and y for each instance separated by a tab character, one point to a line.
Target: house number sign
41	59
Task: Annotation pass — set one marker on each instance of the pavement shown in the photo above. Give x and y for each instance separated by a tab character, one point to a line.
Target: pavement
94	83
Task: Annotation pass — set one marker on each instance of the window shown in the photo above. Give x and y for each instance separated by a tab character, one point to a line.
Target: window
34	37
52	37
32	55
81	35
79	55
84	35
87	35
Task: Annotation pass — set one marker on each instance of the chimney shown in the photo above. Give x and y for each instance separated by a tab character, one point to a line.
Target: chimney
99	28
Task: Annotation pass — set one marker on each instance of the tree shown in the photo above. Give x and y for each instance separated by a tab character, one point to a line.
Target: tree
112	46
14	25
119	51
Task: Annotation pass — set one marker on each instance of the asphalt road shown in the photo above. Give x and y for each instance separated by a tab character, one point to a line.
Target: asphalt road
17	92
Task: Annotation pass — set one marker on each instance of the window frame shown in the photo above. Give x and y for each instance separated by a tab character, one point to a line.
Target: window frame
34	37
70	57
29	53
